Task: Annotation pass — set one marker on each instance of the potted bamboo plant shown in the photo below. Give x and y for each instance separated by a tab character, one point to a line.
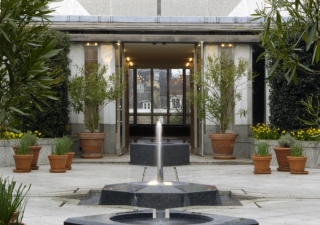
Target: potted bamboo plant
221	85
90	90
68	143
283	150
23	155
58	157
262	158
34	148
297	160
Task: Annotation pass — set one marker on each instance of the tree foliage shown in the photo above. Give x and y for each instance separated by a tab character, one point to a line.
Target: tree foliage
286	24
219	89
285	99
53	119
25	78
92	89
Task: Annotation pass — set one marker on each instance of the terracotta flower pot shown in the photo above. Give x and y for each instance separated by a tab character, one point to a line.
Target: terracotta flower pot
223	145
91	144
69	160
261	164
298	164
57	163
23	163
282	159
35	151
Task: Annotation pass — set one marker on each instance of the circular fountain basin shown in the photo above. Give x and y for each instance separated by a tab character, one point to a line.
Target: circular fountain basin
176	218
145	217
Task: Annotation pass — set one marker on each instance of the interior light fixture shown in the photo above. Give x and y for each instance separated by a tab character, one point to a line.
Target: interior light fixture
190	59
130	63
128	59
95	43
88	44
118	43
230	45
187	64
222	45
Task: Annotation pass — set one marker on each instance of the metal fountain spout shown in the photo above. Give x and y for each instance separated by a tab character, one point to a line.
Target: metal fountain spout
159	152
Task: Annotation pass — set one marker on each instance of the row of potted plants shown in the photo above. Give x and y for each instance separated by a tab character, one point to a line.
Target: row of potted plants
26	154
289	156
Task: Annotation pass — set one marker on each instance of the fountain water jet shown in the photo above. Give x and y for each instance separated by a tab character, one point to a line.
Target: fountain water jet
159	196
159	152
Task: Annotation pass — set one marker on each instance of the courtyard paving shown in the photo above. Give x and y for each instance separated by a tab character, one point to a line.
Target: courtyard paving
279	198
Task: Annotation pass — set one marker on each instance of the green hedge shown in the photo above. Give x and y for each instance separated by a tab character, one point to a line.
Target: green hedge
53	121
285	106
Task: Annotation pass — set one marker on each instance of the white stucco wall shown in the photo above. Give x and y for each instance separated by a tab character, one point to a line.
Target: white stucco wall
107	57
244	51
77	56
210	50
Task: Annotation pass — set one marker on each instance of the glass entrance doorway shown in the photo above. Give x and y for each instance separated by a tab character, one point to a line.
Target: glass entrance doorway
159	94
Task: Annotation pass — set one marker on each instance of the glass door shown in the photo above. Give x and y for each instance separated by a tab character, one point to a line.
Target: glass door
120	125
198	123
159	94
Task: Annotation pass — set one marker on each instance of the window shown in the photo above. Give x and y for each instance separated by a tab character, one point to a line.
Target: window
147	105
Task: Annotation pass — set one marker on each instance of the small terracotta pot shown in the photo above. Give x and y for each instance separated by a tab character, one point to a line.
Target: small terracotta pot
57	163
282	159
23	163
298	164
35	151
69	160
261	164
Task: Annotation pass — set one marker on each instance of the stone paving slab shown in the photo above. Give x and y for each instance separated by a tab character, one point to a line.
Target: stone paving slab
278	198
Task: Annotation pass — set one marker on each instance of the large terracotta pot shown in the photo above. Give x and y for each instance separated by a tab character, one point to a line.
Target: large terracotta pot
261	164
223	145
23	163
282	159
91	144
35	151
69	160
298	164
57	163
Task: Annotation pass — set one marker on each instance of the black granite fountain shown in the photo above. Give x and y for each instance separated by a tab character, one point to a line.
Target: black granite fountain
161	197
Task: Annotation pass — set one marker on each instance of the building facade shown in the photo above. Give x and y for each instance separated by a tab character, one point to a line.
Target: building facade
158	45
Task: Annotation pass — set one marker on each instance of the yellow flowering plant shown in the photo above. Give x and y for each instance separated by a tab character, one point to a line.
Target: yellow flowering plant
265	131
311	134
14	135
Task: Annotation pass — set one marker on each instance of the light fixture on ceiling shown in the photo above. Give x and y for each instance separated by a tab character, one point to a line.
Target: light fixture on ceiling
128	59
95	43
190	59
118	43
131	63
188	64
222	45
230	45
